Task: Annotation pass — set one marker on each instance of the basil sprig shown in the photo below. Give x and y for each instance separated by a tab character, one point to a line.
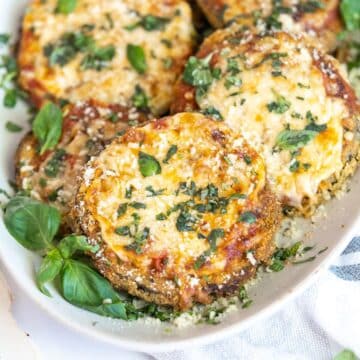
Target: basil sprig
34	225
47	126
66	6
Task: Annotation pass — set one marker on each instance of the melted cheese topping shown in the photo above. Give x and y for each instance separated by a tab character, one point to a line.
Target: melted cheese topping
208	154
251	108
165	50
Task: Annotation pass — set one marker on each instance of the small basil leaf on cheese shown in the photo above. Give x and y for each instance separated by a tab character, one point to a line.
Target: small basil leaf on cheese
170	153
149	23
136	56
247	217
148	165
140	99
47	126
294	140
49	270
153	192
66	6
10	98
32	223
85	288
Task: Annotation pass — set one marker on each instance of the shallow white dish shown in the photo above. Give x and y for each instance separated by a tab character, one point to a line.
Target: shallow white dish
269	294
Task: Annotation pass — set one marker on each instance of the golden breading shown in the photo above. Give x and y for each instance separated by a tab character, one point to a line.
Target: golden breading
181	210
117	52
319	18
290	101
52	177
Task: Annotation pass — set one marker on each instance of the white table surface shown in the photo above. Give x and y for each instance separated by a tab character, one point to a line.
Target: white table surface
54	341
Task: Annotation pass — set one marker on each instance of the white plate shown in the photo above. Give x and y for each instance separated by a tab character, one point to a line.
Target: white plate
269	294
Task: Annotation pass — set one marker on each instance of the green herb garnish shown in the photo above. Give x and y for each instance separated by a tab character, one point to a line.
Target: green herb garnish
136	56
148	165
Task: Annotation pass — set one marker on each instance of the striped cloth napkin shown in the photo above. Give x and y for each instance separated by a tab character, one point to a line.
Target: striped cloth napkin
319	324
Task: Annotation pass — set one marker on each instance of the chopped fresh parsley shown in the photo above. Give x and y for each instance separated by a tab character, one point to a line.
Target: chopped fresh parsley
248	217
149	23
244	298
98	58
139	240
280	106
213	113
122	209
140	99
53	166
185	221
170	153
153	192
200	74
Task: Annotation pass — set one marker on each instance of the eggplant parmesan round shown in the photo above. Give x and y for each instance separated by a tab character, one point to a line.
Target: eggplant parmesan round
291	102
320	19
52	176
117	52
181	210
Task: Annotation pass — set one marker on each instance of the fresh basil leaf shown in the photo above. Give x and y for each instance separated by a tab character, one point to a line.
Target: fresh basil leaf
294	139
350	11
85	288
72	243
49	269
148	165
47	126
136	57
66	6
32	223
346	354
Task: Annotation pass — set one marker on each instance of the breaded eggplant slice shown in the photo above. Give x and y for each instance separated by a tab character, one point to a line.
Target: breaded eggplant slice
181	211
52	177
320	19
117	52
291	102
